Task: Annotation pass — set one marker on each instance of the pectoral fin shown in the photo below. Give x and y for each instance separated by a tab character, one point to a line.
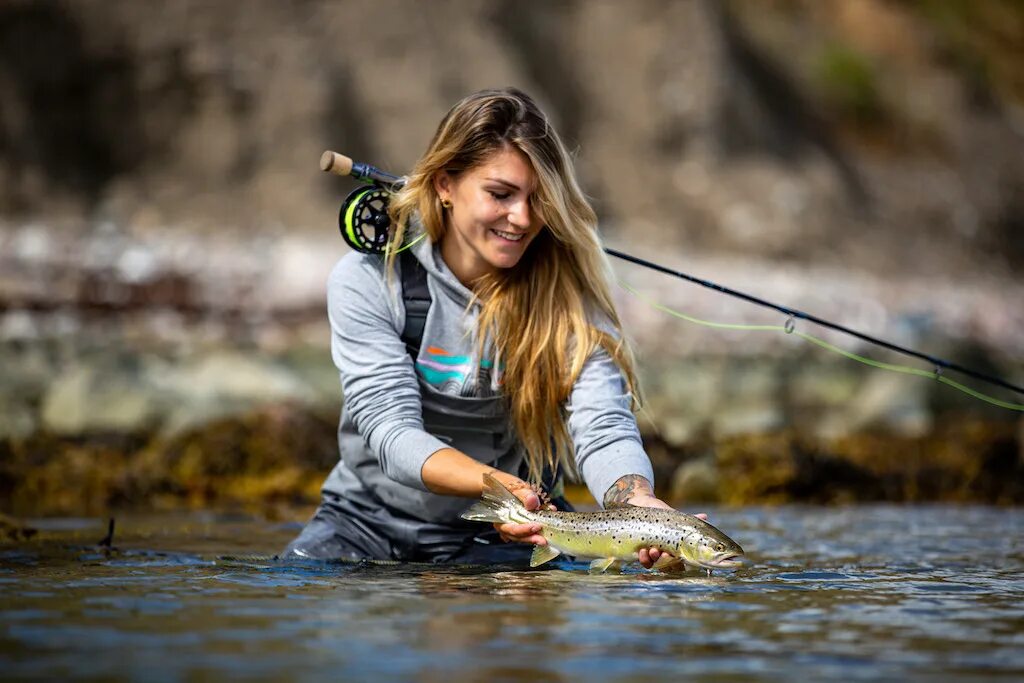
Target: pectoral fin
542	554
665	560
601	564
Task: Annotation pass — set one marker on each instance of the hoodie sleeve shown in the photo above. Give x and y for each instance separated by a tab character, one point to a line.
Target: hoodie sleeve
378	381
603	427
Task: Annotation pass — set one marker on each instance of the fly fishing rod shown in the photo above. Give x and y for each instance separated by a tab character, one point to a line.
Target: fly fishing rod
364	222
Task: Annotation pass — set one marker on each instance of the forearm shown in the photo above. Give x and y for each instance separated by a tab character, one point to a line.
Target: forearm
449	472
626	488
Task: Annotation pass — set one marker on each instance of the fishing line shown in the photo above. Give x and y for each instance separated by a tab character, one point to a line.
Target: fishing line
788	329
409	245
364	224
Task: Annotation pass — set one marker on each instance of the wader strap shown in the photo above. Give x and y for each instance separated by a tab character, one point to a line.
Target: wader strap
416	297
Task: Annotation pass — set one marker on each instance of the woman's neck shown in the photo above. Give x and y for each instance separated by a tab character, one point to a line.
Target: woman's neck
465	264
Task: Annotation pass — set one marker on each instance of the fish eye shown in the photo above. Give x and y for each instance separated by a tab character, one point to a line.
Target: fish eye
719	547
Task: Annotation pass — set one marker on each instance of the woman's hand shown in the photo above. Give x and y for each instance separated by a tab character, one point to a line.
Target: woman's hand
636	490
449	472
648	556
523	533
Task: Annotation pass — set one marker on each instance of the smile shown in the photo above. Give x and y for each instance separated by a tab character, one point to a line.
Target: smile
510	236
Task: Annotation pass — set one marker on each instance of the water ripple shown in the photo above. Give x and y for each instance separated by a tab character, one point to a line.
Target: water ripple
857	593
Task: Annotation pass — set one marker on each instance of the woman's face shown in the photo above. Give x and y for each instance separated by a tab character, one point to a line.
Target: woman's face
490	222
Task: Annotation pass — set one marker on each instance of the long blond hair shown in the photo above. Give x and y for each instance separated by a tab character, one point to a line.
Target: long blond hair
543	314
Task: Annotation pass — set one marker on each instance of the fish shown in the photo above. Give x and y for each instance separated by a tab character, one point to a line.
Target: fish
612	538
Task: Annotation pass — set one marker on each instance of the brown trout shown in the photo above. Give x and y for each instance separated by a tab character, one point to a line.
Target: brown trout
614	536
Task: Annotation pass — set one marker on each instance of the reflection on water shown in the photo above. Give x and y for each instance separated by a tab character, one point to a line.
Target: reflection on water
861	593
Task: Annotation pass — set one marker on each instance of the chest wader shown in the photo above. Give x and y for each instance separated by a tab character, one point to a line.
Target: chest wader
416	298
364	513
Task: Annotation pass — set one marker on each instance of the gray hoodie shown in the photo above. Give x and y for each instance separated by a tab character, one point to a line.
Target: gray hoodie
398	412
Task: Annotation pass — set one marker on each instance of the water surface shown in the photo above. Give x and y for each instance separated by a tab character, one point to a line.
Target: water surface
860	593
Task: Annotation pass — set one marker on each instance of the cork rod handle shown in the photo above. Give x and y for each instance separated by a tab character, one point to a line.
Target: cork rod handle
338	164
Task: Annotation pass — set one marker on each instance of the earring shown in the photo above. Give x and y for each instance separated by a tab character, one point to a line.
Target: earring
446	203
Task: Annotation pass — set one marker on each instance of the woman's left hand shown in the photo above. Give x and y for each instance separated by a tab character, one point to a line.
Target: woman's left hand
648	556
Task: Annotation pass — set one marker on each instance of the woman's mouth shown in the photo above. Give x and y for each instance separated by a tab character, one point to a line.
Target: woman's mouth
510	236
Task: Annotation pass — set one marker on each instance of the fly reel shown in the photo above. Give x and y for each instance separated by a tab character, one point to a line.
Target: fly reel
364	221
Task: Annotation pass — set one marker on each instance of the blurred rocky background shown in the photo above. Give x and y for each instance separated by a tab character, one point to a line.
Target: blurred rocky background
165	232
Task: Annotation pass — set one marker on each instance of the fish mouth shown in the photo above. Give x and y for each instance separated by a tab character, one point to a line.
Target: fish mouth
727	561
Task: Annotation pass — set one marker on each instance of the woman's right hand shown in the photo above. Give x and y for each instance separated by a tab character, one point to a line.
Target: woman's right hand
511	532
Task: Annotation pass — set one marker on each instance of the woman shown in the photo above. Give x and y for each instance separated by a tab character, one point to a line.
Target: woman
517	368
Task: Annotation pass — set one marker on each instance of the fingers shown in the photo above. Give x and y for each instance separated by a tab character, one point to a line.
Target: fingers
521	533
527	496
702	515
646	501
532	497
649	556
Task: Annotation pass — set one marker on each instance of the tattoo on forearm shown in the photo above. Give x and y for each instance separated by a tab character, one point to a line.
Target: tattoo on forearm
625	488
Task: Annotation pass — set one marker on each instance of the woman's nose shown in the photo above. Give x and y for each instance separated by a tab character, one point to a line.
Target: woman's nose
519	214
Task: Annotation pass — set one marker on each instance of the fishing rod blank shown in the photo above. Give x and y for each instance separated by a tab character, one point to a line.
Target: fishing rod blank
363	222
937	362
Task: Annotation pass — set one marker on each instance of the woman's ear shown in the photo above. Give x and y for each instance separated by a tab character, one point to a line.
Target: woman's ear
443	184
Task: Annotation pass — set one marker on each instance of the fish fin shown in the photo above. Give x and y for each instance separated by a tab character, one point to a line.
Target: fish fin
665	560
542	554
495	504
482	512
495	492
601	564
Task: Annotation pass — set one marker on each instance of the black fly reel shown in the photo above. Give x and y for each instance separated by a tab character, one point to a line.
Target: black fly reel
363	219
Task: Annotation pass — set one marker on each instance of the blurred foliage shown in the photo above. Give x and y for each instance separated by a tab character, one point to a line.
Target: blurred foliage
274	460
848	81
961	461
983	40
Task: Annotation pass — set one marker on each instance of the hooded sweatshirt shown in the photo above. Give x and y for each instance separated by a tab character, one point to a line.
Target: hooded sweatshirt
398	411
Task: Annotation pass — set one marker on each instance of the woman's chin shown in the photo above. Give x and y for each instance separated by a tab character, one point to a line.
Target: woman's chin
504	261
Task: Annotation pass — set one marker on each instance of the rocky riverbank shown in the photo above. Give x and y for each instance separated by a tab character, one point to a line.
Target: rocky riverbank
89	429
165	232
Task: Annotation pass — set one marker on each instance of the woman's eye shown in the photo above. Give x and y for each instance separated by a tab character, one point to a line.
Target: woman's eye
500	196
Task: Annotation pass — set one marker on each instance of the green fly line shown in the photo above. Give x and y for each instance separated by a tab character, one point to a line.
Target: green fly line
389	250
892	367
364	224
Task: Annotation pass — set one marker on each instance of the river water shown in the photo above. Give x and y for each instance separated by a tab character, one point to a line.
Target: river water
928	593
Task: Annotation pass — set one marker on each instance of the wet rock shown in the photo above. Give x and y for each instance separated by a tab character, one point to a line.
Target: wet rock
132	393
222	384
750	419
14	529
696	481
749	401
896	403
103	398
17	420
681	397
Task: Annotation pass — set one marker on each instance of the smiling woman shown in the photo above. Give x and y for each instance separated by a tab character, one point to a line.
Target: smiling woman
517	370
491	221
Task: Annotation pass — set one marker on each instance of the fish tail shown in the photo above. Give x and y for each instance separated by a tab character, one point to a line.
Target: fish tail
497	504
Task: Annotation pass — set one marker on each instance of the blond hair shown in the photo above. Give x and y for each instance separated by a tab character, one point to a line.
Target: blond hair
541	315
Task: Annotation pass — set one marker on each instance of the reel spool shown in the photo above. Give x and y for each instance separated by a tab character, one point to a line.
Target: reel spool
363	219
